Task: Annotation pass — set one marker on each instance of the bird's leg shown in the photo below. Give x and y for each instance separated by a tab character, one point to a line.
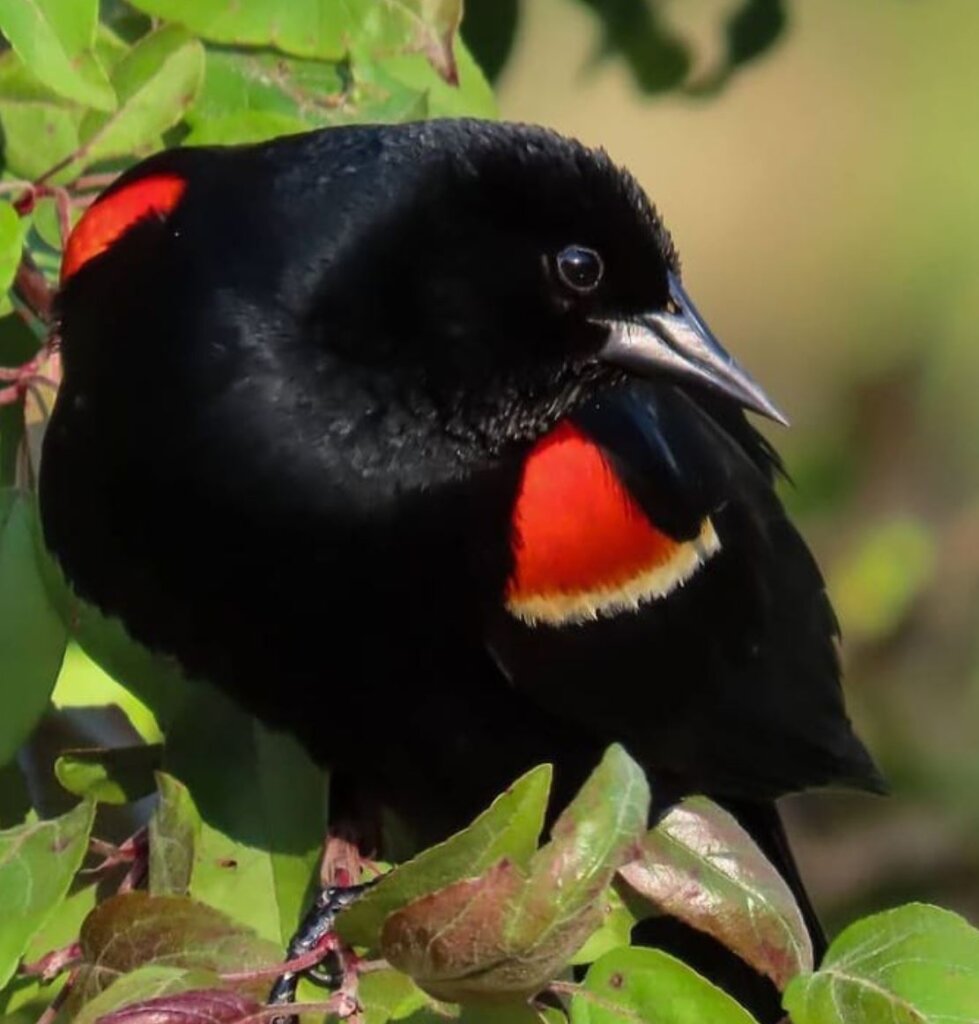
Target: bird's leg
335	967
316	932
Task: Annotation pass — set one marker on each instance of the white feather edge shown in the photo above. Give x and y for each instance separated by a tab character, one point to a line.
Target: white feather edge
566	608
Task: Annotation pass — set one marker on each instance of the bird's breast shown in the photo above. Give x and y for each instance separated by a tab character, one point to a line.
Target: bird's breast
582	547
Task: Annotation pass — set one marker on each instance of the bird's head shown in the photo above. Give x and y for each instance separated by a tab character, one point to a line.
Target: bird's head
471	280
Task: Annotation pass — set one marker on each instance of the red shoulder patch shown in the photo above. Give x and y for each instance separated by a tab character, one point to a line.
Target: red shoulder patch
106	220
582	547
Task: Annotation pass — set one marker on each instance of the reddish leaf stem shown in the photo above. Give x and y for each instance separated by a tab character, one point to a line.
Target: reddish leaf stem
54	1008
49	966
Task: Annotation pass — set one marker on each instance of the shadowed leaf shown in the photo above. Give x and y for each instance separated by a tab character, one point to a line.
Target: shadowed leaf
136	930
914	965
699	865
32	637
113	775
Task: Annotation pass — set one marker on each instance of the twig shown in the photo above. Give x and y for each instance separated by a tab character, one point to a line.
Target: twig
54	1007
49	966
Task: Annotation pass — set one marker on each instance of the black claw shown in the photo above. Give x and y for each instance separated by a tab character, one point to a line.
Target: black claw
318	922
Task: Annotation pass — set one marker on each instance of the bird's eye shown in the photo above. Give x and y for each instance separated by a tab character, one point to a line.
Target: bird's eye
579	268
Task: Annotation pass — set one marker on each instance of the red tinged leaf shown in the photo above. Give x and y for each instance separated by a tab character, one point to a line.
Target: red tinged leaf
207	1006
108	219
582	546
699	865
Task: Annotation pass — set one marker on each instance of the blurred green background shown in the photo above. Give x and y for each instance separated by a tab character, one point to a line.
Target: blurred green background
826	207
825	201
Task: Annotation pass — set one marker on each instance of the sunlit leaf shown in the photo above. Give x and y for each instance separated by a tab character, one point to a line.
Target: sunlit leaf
916	964
700	866
156	81
54	38
174	832
324	29
37	864
635	986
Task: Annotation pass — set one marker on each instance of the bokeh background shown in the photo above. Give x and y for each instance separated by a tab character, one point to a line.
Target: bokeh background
825	200
825	203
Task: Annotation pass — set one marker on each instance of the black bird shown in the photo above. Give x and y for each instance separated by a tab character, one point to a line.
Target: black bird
420	420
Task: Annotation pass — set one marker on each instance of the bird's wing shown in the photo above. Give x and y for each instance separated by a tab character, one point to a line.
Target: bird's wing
724	675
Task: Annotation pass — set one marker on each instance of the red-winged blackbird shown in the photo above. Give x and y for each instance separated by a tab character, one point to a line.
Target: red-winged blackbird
417	422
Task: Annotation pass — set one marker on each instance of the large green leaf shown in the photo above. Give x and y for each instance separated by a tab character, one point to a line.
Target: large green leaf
157	82
55	38
32	636
700	866
37	864
648	986
914	965
508	829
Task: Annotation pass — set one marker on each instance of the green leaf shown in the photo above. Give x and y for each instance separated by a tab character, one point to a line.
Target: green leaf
110	775
139	930
507	933
39	128
174	833
156	81
140	985
324	29
699	865
32	637
614	931
472	97
916	964
508	829
11	242
263	813
254	82
37	864
489	28
389	995
648	985
54	38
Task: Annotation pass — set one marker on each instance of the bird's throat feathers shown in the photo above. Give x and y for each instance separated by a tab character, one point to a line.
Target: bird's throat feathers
582	546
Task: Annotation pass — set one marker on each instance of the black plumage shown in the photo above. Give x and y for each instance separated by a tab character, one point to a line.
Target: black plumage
296	412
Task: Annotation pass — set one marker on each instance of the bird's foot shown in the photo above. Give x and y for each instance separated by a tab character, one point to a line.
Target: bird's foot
331	964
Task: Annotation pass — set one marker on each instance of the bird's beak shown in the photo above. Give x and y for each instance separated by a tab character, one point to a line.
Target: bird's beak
680	343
